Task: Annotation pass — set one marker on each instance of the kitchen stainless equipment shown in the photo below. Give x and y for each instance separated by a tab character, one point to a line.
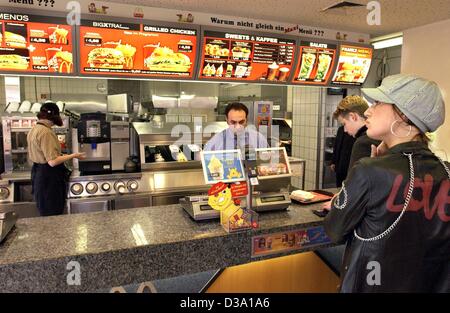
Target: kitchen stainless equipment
7	222
94	139
15	129
120	103
120	144
198	207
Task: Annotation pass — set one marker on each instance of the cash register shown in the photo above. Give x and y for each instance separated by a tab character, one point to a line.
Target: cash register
272	173
218	166
198	208
268	173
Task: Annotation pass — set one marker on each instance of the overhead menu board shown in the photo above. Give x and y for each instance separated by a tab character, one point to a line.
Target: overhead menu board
246	57
316	61
125	49
353	65
35	44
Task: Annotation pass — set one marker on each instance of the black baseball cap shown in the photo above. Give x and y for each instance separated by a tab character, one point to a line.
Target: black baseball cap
50	108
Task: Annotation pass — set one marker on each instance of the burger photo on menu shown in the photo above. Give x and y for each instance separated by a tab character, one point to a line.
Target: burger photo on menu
106	58
308	60
13	62
164	59
13	40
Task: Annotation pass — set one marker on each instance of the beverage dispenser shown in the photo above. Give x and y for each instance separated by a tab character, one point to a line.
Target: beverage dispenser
94	139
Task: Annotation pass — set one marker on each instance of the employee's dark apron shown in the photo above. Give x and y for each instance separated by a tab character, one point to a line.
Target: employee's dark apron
49	187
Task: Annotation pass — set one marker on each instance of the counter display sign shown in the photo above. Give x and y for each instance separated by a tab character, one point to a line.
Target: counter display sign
287	241
316	63
222	165
35	44
115	48
241	57
272	162
353	65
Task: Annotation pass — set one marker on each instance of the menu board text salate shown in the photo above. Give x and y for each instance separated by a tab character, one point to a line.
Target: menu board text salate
316	63
36	44
233	56
136	49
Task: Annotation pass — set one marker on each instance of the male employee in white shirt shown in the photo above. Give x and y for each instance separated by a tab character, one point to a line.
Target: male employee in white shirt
237	135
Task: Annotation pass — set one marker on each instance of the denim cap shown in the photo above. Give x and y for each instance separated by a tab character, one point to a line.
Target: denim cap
419	99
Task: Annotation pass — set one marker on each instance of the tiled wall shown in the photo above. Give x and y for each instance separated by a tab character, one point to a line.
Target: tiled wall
35	87
307	132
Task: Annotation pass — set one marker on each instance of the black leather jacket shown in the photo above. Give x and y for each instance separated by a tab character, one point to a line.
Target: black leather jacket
415	255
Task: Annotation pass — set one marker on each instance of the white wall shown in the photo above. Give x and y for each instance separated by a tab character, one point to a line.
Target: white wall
426	52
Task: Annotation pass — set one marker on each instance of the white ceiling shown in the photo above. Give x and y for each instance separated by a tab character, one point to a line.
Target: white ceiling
396	15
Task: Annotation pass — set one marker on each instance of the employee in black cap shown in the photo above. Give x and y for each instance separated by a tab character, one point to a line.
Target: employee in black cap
48	174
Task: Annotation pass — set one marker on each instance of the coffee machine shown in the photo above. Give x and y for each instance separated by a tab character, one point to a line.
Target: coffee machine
94	139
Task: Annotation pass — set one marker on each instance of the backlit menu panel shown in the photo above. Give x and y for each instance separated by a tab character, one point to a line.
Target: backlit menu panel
246	57
124	49
353	65
315	64
35	44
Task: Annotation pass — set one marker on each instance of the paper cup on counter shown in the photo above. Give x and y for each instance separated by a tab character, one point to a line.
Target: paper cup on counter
284	72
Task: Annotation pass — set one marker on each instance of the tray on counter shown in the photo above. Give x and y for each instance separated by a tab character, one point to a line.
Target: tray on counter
319	196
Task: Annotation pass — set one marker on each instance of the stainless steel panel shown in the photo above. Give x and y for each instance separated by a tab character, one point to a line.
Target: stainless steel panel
120	130
7	222
118	103
178	179
167	199
120	151
22	209
170	166
102	152
160	135
130	202
86	206
115	176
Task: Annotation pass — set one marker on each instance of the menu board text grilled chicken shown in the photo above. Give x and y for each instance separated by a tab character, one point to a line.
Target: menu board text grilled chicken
125	49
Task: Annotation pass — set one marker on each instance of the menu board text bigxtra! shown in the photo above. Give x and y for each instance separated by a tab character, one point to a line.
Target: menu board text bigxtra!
233	56
33	43
115	48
